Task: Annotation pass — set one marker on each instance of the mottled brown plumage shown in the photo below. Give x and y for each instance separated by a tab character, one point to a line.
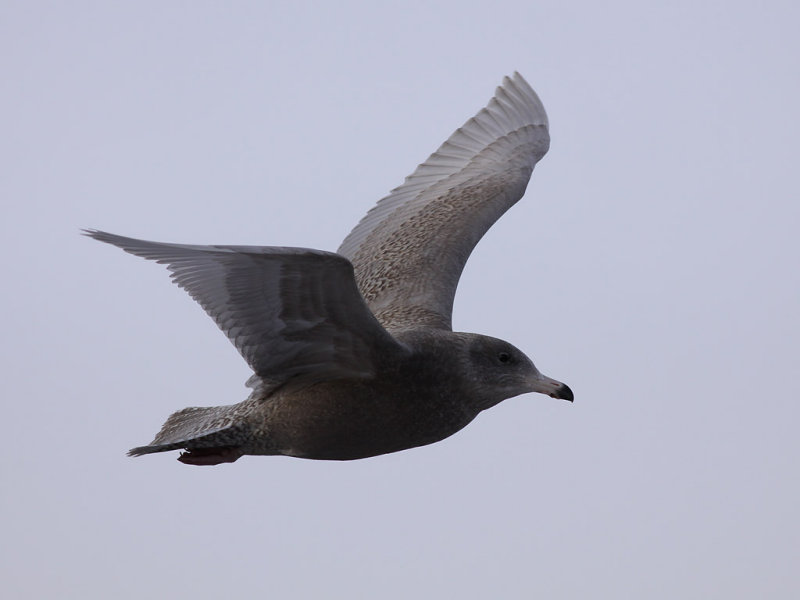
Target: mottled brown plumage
353	352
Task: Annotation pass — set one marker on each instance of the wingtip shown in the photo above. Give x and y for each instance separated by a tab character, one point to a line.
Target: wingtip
95	234
108	238
517	85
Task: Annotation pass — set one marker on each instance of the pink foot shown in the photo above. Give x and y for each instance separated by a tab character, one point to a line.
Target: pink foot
209	456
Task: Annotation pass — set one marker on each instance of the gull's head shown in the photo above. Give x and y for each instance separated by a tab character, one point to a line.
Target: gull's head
499	370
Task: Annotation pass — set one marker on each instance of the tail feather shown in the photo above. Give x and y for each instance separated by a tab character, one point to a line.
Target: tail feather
196	427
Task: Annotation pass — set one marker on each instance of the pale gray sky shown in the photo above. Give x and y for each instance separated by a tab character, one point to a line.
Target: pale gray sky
652	266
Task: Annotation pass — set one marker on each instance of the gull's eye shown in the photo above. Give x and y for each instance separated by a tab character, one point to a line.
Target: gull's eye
504	357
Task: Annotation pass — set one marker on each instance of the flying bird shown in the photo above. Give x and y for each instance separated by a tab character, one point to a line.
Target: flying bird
353	352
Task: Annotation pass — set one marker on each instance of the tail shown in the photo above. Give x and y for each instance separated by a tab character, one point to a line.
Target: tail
199	428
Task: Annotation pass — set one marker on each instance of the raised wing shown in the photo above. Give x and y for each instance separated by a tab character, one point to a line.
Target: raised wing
409	250
291	312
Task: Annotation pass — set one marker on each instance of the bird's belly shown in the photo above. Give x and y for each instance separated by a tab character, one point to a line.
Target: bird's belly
333	426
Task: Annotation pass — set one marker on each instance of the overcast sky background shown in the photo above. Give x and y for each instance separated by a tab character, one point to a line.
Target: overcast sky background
652	265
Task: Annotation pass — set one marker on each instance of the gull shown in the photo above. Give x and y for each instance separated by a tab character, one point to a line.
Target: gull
353	352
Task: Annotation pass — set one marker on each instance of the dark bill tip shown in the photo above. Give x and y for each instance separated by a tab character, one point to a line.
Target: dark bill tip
564	393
